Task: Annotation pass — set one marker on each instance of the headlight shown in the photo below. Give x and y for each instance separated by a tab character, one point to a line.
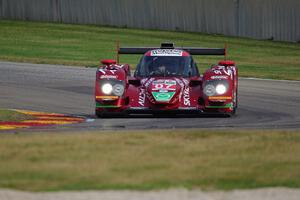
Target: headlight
112	87
215	87
118	89
221	89
209	90
107	88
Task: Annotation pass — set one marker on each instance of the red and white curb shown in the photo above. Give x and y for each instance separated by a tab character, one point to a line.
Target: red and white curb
41	119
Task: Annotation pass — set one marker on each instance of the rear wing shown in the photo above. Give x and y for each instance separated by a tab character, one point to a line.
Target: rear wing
191	50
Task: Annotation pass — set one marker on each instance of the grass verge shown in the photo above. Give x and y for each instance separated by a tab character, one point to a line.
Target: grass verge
87	44
150	160
12	116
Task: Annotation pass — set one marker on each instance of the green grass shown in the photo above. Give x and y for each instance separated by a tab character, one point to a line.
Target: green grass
12	116
87	44
150	160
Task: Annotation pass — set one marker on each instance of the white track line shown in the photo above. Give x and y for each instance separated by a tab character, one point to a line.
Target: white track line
265	79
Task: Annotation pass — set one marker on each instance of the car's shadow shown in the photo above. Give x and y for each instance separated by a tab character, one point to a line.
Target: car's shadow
144	116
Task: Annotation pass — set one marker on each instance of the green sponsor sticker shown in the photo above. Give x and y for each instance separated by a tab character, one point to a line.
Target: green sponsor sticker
230	105
98	105
163	96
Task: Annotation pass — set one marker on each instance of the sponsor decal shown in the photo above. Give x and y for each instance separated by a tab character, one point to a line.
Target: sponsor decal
219	98
166	52
99	105
233	69
143	81
228	72
184	92
222	69
188	108
118	66
185	81
163	97
216	71
230	106
102	71
163	90
142	97
147	83
109	76
180	82
150	97
186	97
107	97
181	87
112	71
138	108
219	77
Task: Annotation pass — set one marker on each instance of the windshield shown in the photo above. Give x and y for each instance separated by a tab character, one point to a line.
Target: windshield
164	66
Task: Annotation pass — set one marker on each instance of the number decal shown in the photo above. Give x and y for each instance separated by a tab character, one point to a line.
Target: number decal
164	85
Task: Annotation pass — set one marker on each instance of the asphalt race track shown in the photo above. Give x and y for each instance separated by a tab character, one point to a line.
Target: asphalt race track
69	90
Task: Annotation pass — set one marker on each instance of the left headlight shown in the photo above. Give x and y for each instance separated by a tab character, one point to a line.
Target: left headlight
209	90
112	87
107	88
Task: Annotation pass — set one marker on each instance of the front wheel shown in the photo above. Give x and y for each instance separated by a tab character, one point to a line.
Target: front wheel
99	113
235	103
105	114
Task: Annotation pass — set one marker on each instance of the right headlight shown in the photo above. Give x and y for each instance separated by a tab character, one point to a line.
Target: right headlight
215	87
221	89
118	89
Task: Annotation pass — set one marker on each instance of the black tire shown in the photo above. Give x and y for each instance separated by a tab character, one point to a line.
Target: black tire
99	114
235	104
104	114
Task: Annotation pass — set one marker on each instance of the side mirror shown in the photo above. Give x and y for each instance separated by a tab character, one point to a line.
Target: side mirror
135	82
195	82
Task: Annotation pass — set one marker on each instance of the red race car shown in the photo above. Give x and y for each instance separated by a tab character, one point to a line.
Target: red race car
166	81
